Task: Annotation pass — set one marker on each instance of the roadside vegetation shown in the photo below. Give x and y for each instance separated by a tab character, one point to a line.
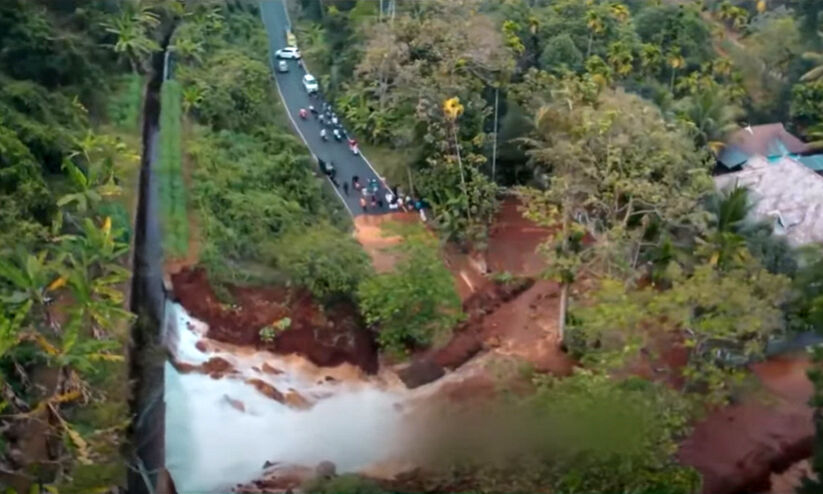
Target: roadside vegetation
264	216
602	117
605	119
69	113
169	172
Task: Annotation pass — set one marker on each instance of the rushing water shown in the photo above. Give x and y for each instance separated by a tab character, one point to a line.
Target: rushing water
212	445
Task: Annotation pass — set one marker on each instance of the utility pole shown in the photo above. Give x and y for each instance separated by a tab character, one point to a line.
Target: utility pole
494	143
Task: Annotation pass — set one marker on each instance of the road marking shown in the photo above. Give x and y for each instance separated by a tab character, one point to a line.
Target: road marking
291	118
285	4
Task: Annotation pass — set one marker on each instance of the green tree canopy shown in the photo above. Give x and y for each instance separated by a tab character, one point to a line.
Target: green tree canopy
416	303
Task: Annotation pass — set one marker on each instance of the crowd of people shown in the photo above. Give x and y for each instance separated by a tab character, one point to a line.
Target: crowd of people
372	198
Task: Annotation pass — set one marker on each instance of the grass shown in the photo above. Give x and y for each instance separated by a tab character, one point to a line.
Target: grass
169	173
124	105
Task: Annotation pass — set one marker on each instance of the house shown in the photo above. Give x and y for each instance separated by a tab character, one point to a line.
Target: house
771	141
785	192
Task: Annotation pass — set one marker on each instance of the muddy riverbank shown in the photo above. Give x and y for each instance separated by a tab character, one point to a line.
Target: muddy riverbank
327	336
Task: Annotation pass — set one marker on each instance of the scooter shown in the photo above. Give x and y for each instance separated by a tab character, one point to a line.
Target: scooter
303	113
338	136
324	135
353	146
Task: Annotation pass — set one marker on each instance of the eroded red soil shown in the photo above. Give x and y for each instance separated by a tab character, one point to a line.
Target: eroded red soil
737	448
326	336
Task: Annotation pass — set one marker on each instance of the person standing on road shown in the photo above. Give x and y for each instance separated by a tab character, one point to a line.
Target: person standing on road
346	187
363	203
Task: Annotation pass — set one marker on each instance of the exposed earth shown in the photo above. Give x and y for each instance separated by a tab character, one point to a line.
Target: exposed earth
326	336
738	449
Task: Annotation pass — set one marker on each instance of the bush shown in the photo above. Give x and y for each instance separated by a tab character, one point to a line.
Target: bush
322	258
416	303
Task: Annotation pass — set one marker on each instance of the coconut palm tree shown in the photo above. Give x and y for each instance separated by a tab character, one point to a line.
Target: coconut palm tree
620	58
676	61
132	31
710	114
594	22
619	11
650	57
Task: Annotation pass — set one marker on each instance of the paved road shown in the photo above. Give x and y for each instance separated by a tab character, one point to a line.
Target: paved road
294	96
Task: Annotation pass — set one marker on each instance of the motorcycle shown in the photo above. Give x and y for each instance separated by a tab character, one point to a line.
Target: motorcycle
324	135
338	136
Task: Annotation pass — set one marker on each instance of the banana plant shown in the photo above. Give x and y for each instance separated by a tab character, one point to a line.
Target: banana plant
28	277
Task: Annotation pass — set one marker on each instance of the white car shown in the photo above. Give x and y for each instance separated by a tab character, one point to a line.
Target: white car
310	83
283	66
288	52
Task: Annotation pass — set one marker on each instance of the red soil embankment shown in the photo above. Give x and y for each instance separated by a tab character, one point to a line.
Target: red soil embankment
737	448
326	336
513	242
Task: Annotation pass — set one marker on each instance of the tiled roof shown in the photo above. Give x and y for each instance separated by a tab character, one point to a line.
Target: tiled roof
784	190
770	140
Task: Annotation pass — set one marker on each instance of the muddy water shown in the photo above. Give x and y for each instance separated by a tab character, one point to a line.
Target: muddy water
220	432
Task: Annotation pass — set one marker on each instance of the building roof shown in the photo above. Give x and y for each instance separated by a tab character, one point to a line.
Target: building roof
770	140
786	192
814	162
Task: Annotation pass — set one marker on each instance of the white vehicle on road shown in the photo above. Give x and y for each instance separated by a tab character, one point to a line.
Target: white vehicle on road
283	66
310	83
288	52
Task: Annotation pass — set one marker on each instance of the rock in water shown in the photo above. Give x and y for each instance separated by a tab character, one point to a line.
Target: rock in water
296	400
267	389
271	370
420	372
236	404
326	470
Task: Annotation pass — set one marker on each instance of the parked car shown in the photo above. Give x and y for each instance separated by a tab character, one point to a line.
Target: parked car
282	66
288	52
310	83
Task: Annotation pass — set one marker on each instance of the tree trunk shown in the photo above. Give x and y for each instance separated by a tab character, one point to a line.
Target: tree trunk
671	83
462	175
589	48
411	182
494	144
561	316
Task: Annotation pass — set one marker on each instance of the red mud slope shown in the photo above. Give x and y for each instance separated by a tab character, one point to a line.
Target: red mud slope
736	448
328	337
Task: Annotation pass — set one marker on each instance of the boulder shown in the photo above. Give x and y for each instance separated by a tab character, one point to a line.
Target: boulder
326	470
296	400
419	372
271	370
267	389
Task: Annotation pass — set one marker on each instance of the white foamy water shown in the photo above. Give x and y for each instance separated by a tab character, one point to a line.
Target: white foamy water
211	445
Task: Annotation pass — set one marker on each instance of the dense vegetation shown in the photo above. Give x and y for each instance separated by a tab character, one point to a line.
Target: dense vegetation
601	116
605	117
68	128
254	193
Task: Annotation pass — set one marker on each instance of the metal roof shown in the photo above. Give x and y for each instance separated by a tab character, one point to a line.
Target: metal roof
786	192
